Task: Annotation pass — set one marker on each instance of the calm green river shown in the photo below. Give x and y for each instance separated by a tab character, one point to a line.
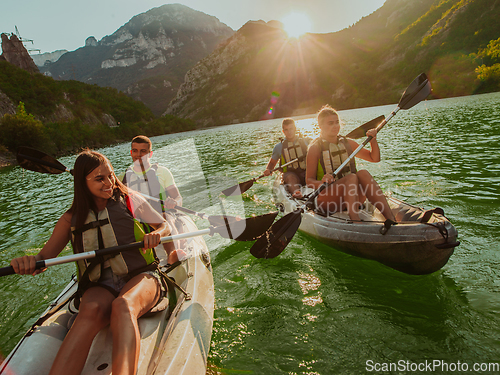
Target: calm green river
312	310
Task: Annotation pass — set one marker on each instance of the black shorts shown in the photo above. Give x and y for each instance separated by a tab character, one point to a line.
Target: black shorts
301	175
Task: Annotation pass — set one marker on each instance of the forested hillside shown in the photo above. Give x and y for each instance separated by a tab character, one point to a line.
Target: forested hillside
62	116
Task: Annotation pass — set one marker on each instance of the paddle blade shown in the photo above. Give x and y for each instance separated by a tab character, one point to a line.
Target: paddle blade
238	189
360	131
418	90
248	229
274	241
38	161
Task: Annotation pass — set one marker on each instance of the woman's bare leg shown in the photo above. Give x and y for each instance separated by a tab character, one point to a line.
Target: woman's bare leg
93	315
137	297
351	197
341	192
373	192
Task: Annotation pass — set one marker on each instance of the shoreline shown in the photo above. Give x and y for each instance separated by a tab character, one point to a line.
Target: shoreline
7	160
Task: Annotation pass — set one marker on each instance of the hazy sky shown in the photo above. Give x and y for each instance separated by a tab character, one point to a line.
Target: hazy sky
65	24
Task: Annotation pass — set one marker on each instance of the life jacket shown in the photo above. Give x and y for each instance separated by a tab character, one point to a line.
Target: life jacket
113	226
294	150
332	156
148	184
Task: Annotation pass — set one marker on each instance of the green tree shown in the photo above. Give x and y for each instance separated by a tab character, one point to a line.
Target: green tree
491	53
21	129
489	71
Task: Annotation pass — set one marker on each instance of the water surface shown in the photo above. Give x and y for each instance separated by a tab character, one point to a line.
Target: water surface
312	310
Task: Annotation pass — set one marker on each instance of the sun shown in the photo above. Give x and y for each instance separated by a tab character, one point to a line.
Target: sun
296	24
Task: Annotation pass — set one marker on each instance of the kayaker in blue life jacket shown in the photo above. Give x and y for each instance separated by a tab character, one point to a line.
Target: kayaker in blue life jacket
292	147
351	187
116	290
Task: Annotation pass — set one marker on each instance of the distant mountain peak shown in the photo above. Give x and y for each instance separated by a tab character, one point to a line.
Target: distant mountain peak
148	56
167	18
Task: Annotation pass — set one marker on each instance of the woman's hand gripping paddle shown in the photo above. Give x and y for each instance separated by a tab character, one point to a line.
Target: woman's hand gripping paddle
223	230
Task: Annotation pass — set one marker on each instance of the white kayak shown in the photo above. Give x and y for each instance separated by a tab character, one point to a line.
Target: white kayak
175	340
421	242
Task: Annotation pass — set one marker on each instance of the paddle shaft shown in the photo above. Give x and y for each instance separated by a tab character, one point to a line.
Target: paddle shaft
108	251
244	186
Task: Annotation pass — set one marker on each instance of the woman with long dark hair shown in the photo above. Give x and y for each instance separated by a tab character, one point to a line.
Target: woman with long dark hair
116	290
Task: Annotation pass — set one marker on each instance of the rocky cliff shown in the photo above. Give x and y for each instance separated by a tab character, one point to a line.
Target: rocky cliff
48	57
148	57
15	53
6	105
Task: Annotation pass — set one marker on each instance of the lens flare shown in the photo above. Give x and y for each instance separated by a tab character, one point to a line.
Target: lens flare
274	100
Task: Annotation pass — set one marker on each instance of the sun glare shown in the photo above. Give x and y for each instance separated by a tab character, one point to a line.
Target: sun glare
296	24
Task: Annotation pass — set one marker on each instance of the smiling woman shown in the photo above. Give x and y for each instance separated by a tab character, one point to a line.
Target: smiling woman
296	24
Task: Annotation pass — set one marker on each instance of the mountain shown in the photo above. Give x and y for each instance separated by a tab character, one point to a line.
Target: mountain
41	58
147	57
260	73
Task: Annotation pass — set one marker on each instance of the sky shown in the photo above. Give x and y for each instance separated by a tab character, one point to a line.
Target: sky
65	24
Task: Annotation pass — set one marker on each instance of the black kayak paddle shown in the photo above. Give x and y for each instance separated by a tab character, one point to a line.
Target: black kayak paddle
360	131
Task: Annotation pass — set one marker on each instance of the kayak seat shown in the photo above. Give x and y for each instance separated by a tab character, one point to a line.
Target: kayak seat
417	215
427	215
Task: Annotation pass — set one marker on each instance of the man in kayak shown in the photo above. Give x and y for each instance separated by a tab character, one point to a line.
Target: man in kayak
116	290
156	183
152	180
349	189
292	147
